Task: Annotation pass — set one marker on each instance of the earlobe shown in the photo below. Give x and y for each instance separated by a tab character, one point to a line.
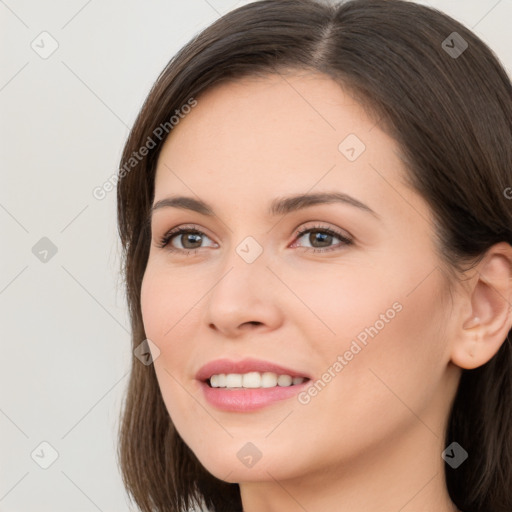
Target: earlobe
484	329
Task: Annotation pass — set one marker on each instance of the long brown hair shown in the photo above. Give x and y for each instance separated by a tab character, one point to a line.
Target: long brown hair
445	99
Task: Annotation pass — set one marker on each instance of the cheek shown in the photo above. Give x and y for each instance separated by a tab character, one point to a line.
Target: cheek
401	353
166	316
170	317
396	369
334	304
153	303
162	309
384	322
166	303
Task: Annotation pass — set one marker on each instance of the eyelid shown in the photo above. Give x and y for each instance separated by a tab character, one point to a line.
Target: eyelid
321	226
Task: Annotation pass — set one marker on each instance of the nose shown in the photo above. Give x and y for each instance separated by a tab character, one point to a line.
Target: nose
243	298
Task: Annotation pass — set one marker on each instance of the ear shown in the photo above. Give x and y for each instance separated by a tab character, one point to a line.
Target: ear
487	319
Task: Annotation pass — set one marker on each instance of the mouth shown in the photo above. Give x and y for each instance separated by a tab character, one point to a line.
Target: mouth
249	385
253	380
233	398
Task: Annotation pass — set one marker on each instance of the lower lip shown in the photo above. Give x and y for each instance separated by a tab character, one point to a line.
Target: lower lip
249	399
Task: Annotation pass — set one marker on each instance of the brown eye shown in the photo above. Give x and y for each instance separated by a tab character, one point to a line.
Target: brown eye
190	239
323	236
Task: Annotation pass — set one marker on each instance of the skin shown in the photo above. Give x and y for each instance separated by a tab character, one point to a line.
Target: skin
371	439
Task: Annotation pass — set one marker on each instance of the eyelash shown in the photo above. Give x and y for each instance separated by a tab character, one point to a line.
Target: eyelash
164	241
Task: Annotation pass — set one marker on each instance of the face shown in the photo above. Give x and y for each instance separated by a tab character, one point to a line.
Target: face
347	293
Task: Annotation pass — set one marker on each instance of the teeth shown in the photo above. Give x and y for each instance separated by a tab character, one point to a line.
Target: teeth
253	380
233	380
284	380
268	380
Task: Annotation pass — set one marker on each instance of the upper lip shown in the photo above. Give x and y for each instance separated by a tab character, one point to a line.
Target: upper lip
245	366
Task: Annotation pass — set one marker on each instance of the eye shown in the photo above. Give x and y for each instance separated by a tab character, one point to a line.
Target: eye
323	236
191	237
188	236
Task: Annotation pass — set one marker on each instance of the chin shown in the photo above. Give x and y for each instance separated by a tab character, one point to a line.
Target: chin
239	461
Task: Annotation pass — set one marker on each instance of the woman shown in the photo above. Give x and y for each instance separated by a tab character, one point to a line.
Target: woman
315	210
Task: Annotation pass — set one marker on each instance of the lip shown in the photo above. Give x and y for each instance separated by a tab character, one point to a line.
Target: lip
249	399
245	366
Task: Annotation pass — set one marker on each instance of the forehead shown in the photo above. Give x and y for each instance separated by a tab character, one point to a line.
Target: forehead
273	113
278	134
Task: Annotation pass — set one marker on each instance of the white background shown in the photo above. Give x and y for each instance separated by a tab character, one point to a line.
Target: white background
64	324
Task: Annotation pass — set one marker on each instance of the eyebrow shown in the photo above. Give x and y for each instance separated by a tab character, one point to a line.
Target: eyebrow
279	206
